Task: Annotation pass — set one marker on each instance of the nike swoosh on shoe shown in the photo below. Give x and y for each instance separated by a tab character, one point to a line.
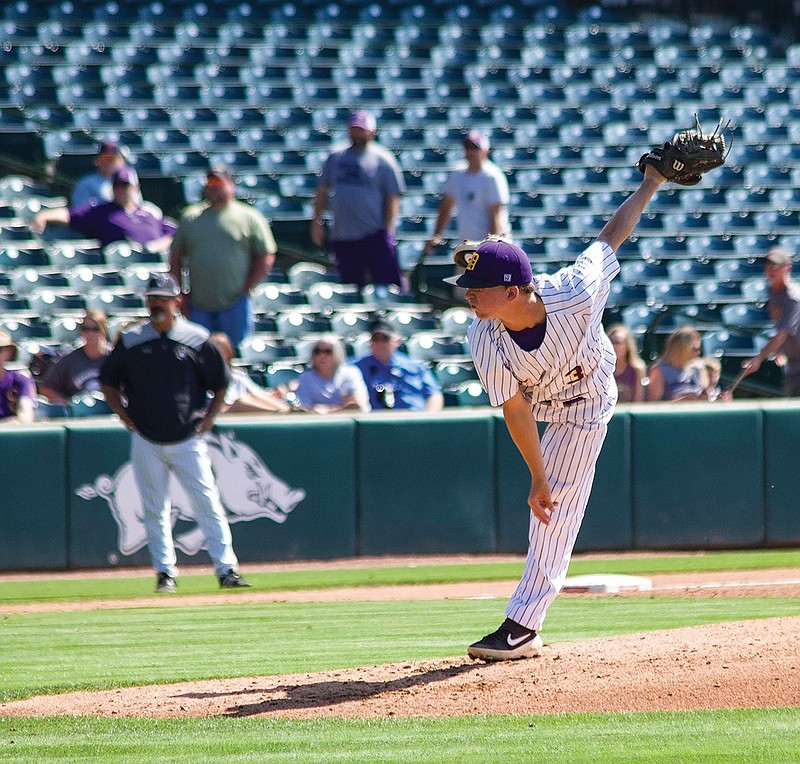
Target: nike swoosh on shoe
515	641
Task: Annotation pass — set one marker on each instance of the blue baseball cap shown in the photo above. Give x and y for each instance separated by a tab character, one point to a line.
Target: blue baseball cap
490	263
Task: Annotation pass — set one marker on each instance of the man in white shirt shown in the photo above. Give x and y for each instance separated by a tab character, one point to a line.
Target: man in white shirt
478	192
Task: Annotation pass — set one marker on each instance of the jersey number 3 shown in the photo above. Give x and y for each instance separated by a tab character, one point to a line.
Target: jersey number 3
574	375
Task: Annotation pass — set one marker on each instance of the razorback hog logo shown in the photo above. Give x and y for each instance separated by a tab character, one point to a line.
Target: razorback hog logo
247	488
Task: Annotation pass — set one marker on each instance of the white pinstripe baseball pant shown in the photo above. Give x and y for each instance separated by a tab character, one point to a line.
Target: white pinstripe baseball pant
189	461
570	452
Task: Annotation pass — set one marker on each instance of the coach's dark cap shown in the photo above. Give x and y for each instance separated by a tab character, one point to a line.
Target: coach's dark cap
162	285
778	256
384	328
491	262
220	170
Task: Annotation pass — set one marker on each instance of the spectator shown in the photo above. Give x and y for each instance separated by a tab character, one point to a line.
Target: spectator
329	383
221	250
394	380
95	187
244	396
784	309
679	375
124	218
630	369
713	370
79	370
478	192
363	183
17	389
156	380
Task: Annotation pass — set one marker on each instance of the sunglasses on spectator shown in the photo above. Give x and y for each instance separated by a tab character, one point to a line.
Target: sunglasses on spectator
89	328
323	351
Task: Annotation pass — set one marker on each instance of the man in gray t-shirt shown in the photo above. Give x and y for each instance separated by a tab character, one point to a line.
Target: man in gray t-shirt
784	308
362	182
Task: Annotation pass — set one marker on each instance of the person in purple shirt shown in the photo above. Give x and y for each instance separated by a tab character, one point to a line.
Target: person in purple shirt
17	389
124	218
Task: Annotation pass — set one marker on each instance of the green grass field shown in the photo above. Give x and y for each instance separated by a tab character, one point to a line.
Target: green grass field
49	652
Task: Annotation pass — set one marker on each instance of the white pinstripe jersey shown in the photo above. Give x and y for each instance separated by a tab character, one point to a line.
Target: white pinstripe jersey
575	359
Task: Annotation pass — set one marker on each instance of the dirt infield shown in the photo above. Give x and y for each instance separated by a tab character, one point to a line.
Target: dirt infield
733	665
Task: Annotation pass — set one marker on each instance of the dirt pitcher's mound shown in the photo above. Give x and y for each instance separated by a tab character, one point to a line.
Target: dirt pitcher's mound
733	665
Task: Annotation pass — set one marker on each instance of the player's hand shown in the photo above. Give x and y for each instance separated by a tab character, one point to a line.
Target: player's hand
541	502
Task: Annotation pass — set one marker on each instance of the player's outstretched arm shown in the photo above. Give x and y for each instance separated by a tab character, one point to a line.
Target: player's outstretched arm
625	219
522	428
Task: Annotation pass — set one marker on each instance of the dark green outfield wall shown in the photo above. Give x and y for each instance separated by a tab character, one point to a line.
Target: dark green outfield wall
677	477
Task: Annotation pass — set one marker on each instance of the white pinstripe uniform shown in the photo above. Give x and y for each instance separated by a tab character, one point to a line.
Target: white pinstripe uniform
165	378
569	381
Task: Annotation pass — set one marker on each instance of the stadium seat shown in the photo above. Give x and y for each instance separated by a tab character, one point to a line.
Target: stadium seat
328	297
407	323
641	272
51	302
467	394
14	305
738	270
626	294
691	271
264	350
116	303
755	290
293	324
451	374
274	298
456	321
49	410
23	281
725	343
747	317
433	346
349	323
711	293
666	293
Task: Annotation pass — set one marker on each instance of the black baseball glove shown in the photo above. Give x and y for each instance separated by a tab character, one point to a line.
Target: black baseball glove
689	155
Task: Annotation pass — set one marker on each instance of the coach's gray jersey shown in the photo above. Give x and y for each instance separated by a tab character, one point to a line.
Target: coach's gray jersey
575	363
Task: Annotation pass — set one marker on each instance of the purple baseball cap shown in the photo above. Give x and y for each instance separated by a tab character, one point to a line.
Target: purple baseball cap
478	139
493	262
125	174
364	120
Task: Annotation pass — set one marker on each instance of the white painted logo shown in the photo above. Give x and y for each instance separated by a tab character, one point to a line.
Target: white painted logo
247	488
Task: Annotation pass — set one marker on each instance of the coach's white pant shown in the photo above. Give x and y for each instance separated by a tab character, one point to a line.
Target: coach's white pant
570	452
189	461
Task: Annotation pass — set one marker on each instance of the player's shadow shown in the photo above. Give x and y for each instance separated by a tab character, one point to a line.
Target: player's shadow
330	692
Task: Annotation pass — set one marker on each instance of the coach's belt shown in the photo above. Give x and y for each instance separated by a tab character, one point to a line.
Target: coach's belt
559	404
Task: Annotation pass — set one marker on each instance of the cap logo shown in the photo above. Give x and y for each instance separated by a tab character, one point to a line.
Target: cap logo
507	277
471	260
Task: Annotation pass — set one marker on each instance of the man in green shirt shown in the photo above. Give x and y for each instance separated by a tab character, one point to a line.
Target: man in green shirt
222	248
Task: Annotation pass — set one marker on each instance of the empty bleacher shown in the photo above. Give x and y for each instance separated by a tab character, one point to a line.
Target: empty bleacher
570	96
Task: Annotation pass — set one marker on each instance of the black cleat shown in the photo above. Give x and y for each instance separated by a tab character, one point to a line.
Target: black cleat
232	580
165	584
509	643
